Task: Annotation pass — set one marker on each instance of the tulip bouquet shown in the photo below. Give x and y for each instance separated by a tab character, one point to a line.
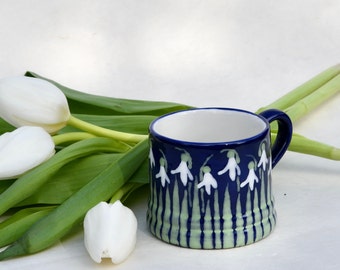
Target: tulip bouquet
73	158
101	150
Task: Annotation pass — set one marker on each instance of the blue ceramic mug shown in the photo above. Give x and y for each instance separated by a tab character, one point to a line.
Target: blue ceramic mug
210	176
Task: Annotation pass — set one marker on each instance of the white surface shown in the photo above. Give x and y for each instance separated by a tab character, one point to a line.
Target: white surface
204	53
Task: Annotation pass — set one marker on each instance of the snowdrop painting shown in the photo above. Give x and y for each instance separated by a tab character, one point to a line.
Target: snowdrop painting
233	198
212	196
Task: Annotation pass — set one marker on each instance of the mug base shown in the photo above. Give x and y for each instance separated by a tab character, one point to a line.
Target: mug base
213	237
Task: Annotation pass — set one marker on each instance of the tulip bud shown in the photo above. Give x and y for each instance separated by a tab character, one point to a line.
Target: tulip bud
23	149
110	231
26	101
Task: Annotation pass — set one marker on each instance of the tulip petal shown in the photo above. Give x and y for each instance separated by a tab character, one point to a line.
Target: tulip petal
110	231
125	233
95	230
26	101
23	149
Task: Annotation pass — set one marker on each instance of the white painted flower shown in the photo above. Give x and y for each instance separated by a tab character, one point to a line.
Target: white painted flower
23	149
110	231
263	158
162	172
183	169
251	178
152	158
232	165
26	101
208	181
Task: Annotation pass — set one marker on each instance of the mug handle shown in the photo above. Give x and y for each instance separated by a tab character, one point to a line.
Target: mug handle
284	133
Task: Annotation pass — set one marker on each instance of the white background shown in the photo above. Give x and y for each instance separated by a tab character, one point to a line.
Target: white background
241	54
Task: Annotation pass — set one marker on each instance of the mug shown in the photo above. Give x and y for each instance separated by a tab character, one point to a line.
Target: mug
210	176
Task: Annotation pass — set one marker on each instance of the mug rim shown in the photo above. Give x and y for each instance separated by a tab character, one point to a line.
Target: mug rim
155	134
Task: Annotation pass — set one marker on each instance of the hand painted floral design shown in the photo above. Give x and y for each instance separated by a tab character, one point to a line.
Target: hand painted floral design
201	185
152	158
232	165
208	181
184	168
263	157
162	172
252	177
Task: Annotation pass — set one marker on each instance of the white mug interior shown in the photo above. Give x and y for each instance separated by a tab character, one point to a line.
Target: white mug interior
209	125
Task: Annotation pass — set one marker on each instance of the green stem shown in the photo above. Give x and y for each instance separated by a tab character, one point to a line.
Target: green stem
125	191
100	131
303	106
303	145
303	90
301	101
310	102
71	137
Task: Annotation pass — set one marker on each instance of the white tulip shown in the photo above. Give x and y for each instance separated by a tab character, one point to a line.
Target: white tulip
26	101
110	231
23	149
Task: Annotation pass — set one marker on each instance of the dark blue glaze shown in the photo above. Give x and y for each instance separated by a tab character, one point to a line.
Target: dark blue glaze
233	213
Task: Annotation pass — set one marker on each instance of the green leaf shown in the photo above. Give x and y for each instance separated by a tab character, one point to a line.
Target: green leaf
27	184
141	176
93	104
66	182
60	221
16	225
5	127
4	184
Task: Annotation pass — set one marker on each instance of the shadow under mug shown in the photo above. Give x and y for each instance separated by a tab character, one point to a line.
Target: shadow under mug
210	176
